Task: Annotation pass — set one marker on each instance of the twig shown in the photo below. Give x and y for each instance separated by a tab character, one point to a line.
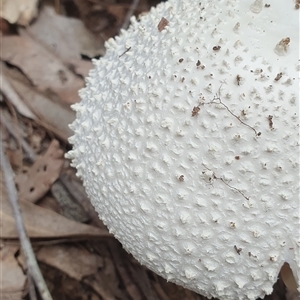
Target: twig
32	265
8	124
32	293
133	7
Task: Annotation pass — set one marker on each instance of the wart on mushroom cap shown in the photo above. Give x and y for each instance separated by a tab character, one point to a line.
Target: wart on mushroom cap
187	141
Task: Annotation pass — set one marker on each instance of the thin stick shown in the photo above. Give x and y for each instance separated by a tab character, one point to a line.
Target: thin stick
6	121
32	293
32	265
130	13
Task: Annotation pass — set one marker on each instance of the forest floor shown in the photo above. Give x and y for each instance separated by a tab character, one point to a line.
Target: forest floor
46	53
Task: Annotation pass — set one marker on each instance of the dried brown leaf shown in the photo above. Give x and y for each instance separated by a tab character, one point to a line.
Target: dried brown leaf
292	295
13	97
34	183
99	286
70	208
109	278
76	189
51	115
50	203
18	11
13	282
15	158
43	68
124	272
74	261
63	287
77	263
68	37
288	277
43	223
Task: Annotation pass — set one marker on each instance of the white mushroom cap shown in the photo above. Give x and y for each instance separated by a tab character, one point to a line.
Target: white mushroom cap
187	141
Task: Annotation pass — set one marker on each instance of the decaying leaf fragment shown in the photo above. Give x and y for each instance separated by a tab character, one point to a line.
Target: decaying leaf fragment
36	182
12	284
43	68
51	115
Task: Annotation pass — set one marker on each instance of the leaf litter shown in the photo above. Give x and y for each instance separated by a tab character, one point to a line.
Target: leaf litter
19	11
43	66
34	182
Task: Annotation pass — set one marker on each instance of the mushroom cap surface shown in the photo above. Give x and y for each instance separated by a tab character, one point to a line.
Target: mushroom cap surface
187	142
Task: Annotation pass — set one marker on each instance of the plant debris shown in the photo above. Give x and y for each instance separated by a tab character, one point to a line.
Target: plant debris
43	66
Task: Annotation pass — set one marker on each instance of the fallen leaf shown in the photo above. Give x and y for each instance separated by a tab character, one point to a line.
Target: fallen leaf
18	11
13	282
62	286
70	208
106	17
41	223
13	97
81	67
44	69
50	203
77	263
68	37
4	26
288	277
292	295
34	183
50	115
99	286
76	189
107	279
74	261
15	158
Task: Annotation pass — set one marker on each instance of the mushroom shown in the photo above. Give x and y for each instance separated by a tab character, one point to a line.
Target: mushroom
187	141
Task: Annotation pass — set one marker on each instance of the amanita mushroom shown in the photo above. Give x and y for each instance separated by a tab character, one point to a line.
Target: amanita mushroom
187	141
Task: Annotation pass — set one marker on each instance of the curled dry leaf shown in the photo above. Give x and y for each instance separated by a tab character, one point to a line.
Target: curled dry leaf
18	11
44	69
36	182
